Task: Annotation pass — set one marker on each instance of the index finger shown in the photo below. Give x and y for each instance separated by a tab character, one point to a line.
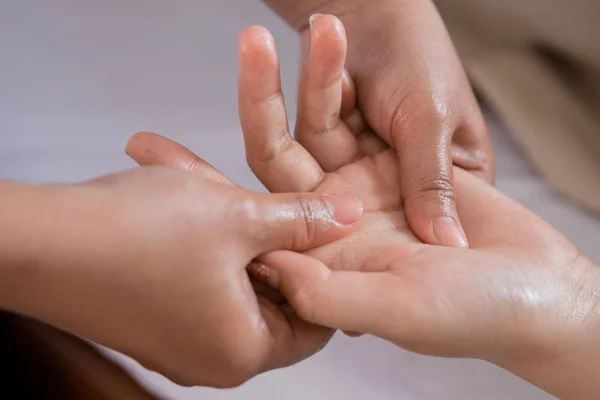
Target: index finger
151	149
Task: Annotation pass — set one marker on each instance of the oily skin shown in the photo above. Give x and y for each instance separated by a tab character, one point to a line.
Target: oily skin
520	297
152	263
413	93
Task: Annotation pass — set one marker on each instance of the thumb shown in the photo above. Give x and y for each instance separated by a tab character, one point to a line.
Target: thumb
302	222
348	300
426	180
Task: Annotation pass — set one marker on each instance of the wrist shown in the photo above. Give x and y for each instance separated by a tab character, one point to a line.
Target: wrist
562	355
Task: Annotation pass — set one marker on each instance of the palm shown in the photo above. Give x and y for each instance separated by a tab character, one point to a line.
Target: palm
383	234
501	284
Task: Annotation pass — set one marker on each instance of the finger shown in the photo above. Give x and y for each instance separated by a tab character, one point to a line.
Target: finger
264	290
473	151
280	163
350	113
300	221
347	300
348	95
255	335
426	182
292	339
260	275
369	144
319	127
151	149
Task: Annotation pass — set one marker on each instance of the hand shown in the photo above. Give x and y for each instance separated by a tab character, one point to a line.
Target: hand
522	297
414	94
511	293
152	263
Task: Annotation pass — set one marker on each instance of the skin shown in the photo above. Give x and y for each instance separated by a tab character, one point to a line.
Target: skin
521	297
152	263
413	93
48	245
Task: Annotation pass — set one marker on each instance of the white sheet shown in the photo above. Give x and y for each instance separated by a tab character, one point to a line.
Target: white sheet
78	77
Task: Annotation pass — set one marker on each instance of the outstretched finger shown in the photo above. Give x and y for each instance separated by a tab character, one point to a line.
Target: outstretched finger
348	300
319	125
280	163
151	149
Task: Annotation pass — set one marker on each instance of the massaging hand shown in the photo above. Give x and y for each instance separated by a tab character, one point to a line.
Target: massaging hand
414	94
152	263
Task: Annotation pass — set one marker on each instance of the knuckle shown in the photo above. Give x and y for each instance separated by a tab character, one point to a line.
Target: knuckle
250	216
410	116
311	212
257	157
433	188
307	127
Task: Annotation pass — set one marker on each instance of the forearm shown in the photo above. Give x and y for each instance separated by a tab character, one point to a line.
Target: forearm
570	366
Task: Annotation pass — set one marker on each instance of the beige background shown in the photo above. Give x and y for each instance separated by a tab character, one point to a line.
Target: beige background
78	77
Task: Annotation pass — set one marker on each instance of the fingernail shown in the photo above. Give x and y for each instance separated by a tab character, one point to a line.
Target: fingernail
313	18
264	274
449	233
345	209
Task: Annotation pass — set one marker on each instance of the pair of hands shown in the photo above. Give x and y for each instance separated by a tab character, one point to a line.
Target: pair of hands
170	288
515	298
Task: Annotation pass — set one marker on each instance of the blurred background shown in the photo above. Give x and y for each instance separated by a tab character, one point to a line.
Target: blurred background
79	77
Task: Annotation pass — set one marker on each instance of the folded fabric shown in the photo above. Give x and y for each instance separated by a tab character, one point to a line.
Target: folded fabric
537	62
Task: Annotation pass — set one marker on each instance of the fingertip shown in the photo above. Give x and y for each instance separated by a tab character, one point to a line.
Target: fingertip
290	271
450	233
328	39
345	209
263	273
436	223
327	24
254	38
140	147
136	139
259	64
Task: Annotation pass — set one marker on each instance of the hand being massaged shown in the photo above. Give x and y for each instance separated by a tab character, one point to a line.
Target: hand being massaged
518	297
